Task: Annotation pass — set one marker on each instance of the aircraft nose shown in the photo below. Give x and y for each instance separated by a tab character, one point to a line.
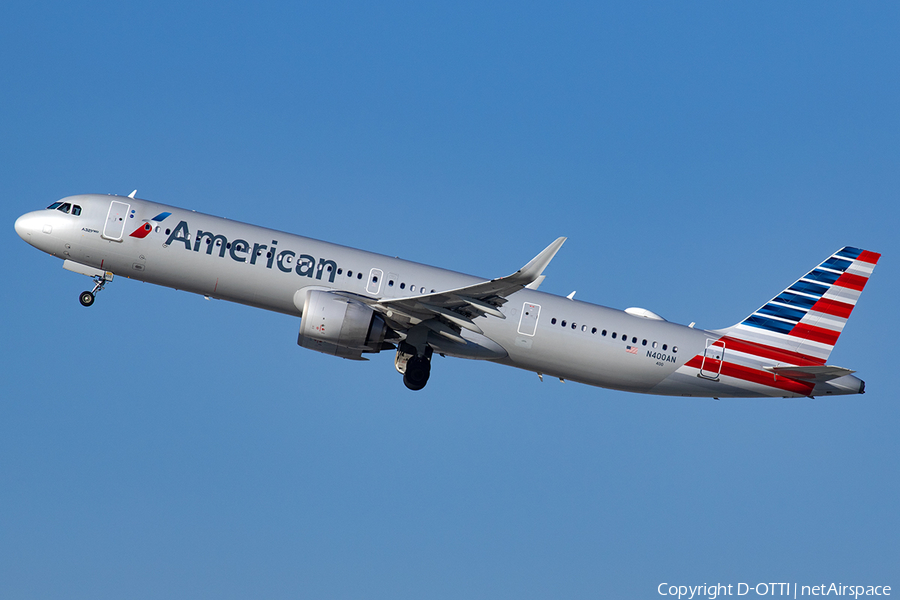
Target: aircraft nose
27	225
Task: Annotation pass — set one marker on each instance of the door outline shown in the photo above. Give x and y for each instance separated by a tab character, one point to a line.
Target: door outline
375	278
391	290
528	321
715	352
115	221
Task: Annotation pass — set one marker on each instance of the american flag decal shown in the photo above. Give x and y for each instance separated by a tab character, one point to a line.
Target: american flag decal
631	349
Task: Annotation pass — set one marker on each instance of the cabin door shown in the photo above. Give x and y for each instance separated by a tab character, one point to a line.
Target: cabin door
713	357
529	319
374	285
115	221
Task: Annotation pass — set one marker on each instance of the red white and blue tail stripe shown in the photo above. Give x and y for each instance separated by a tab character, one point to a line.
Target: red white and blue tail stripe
799	327
807	318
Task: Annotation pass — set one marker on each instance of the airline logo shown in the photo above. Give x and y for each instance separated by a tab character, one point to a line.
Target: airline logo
242	251
798	327
147	226
816	307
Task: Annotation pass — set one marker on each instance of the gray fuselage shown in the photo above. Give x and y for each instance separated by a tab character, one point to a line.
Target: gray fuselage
270	269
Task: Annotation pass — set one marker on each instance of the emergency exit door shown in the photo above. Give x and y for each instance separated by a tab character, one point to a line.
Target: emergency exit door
529	319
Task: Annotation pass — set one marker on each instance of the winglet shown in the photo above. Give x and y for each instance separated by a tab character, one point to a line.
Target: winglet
536	266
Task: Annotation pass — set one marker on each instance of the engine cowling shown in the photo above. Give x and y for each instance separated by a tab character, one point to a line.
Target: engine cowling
336	325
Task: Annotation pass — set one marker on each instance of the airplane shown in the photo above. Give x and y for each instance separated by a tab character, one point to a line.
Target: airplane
352	303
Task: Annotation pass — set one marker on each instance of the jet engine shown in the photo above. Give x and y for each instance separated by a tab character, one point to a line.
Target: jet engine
336	325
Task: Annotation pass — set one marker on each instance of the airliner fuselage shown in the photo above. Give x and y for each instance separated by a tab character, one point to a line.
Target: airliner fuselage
354	302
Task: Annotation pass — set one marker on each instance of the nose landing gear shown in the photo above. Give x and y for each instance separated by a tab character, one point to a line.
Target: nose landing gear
87	298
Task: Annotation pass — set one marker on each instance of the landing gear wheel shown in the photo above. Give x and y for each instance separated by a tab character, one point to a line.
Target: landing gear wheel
418	369
86	298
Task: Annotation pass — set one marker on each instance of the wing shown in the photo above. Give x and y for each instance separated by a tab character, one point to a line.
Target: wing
447	311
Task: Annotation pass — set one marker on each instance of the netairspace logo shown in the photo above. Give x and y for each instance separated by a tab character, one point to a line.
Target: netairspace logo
794	590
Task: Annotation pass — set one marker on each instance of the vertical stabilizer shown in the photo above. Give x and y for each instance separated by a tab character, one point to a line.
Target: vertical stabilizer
802	324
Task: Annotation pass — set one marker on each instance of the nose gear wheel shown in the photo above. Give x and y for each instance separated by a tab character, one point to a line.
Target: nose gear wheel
87	298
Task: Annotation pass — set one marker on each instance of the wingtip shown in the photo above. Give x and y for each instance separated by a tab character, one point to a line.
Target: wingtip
536	266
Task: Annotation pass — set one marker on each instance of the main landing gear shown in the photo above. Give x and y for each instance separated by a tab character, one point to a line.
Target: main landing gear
87	298
416	368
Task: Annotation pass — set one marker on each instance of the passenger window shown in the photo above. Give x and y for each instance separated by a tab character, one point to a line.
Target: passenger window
603	333
573	325
359	275
374	278
594	330
391	283
614	335
664	346
553	321
402	286
644	343
674	349
563	323
584	328
76	210
634	340
340	271
654	344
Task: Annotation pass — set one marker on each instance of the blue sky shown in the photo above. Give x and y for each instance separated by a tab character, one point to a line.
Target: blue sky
699	156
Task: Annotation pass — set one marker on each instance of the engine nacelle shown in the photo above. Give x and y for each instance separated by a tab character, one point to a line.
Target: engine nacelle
336	325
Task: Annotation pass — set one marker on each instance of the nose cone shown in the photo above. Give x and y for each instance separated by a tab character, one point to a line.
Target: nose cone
27	226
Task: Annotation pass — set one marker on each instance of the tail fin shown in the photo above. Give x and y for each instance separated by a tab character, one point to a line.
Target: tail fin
802	323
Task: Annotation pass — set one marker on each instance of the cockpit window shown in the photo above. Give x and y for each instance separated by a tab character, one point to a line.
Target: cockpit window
66	207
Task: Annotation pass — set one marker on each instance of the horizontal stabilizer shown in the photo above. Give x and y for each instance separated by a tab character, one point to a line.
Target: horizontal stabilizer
817	374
